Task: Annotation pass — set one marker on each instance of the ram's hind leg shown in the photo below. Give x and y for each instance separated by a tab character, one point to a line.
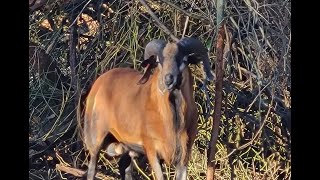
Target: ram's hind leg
92	165
94	138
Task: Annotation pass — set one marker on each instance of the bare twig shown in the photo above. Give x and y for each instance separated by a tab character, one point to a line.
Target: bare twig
75	19
254	100
139	169
256	135
163	27
73	60
185	26
205	19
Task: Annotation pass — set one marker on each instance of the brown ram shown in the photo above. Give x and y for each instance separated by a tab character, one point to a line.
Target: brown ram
153	114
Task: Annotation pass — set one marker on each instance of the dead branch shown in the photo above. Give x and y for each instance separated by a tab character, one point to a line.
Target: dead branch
163	27
192	15
75	19
78	172
70	170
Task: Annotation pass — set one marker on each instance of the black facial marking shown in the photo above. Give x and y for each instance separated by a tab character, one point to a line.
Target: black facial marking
179	81
175	103
179	59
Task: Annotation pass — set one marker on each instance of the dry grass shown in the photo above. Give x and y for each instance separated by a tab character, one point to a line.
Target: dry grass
257	70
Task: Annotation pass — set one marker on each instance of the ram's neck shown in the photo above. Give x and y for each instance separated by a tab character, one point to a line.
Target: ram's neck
171	105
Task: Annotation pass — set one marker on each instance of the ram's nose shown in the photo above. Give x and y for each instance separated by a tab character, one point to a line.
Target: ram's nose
168	79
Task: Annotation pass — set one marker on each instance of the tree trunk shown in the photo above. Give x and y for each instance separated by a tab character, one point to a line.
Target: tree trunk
218	87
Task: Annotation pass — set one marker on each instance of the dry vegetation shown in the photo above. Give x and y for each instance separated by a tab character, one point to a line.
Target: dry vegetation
255	131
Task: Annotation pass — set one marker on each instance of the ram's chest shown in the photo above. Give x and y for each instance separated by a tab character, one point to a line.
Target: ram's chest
173	146
173	149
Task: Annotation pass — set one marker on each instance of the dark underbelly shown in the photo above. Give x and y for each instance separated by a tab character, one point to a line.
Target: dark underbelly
136	148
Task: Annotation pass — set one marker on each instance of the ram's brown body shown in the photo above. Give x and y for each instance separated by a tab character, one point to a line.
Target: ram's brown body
140	114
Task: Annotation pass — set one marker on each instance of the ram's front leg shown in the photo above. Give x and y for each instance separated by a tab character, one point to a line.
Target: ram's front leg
153	160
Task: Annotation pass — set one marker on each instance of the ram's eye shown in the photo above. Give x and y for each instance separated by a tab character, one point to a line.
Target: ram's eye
185	59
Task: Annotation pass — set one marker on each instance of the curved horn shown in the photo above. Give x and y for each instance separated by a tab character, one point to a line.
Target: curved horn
196	52
153	49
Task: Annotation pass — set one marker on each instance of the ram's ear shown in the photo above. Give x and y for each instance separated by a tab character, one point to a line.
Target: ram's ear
146	62
148	65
